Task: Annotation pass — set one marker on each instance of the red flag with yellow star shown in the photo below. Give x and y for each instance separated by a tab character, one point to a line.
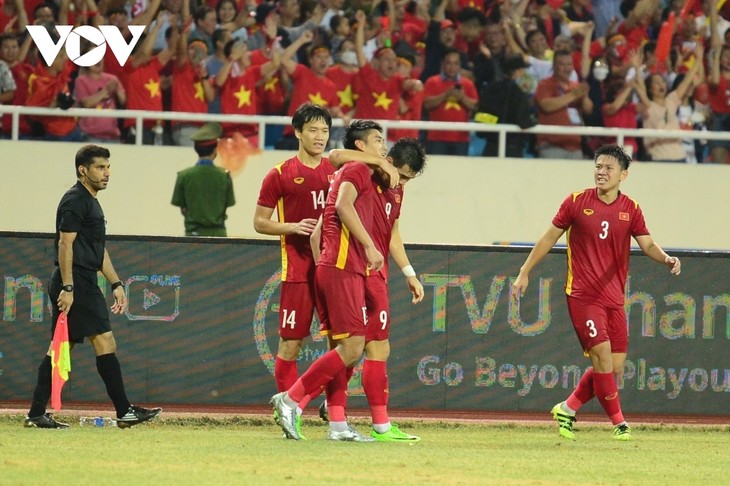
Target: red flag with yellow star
60	360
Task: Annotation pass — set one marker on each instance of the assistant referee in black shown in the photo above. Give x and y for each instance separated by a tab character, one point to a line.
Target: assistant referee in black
80	255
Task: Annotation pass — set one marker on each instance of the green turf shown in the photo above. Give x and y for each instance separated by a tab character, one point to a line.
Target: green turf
252	451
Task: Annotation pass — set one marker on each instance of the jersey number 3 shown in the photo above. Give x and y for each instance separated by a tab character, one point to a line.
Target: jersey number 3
604	230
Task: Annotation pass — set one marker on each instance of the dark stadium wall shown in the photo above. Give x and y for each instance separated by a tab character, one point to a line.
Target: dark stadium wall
201	328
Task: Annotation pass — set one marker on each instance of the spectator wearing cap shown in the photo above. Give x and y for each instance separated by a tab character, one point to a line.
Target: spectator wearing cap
310	85
192	88
441	35
561	102
204	191
205	21
449	97
507	102
378	88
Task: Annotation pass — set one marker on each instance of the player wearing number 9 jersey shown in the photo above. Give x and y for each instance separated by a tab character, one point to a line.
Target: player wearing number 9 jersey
297	190
364	142
599	223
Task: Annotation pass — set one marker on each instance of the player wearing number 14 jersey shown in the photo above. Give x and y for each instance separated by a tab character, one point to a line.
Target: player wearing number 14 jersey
599	223
296	189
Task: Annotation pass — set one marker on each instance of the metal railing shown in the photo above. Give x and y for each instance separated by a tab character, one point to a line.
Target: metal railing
261	120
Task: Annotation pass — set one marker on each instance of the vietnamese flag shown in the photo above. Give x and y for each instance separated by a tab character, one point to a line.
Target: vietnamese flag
60	360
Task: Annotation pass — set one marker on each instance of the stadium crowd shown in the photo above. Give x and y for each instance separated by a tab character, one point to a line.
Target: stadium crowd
605	63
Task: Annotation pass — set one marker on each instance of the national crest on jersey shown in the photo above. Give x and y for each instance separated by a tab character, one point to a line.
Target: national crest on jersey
599	240
297	192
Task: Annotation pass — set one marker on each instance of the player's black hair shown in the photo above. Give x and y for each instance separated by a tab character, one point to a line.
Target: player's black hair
410	152
359	130
615	151
86	155
309	112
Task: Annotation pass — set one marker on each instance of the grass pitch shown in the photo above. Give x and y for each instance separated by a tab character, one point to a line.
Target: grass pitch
252	451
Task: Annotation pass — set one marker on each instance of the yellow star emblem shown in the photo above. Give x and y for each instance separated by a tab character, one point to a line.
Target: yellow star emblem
153	87
382	100
199	93
243	96
317	99
271	84
452	104
346	98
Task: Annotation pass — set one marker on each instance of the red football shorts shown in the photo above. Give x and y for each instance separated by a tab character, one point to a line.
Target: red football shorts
341	297
296	308
595	323
376	300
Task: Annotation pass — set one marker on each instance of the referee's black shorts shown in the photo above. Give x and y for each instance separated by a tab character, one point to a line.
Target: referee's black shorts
89	315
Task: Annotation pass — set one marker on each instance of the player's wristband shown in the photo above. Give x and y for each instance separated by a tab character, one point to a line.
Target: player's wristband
408	271
116	285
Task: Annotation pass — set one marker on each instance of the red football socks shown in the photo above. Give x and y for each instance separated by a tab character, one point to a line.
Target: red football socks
583	393
285	374
606	391
375	384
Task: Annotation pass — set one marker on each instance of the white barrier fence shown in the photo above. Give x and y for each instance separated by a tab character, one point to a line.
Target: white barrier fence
140	116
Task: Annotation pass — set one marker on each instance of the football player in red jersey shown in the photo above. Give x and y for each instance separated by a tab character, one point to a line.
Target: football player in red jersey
600	223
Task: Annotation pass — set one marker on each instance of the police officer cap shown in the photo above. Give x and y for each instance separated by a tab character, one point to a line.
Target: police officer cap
209	132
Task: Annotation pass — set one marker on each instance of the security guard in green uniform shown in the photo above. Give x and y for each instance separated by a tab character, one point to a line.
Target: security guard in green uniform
204	192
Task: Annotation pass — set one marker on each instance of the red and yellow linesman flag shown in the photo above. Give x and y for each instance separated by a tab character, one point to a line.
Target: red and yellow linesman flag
60	360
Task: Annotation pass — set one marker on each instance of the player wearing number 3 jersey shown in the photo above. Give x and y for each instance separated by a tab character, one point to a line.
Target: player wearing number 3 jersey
599	223
297	190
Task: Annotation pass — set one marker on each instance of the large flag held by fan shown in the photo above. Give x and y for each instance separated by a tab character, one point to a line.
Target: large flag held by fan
60	360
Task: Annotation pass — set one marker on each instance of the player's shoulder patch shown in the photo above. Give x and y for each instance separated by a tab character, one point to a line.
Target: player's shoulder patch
577	194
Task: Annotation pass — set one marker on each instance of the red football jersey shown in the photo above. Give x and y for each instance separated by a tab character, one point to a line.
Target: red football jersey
297	192
188	94
599	243
143	90
339	248
238	97
385	213
310	88
343	83
450	109
377	98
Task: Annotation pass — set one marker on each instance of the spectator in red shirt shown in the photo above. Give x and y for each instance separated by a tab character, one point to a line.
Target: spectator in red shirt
48	87
9	52
342	73
143	82
192	89
449	97
238	78
378	88
561	102
13	17
411	104
311	85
